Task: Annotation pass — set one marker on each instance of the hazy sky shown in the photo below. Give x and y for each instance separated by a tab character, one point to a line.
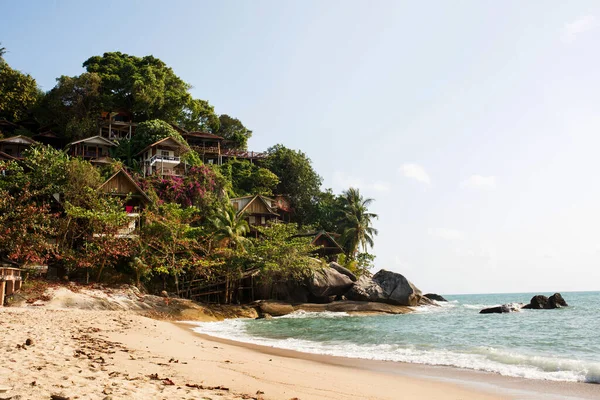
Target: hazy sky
474	124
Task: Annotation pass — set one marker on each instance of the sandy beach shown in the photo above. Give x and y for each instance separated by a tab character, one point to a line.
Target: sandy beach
90	354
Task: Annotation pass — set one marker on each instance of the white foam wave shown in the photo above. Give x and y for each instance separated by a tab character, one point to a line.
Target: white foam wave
479	306
320	314
481	358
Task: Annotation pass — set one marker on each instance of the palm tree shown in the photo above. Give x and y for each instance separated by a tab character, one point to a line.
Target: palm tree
2	52
356	222
229	229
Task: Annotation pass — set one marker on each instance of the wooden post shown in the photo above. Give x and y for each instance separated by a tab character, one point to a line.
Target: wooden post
2	286
10	287
18	285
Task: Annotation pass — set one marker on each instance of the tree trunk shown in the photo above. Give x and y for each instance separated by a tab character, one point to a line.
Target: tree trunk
100	271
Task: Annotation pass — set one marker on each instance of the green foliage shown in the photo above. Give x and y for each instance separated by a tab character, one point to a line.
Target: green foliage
46	170
281	255
247	178
18	93
74	105
356	222
361	264
199	115
327	213
229	229
297	179
234	132
149	132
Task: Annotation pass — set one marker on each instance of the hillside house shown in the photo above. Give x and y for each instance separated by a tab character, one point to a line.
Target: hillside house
95	149
122	185
117	125
163	158
207	145
12	148
326	243
258	210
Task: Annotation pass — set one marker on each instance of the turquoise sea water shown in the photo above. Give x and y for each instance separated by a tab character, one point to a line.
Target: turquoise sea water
561	344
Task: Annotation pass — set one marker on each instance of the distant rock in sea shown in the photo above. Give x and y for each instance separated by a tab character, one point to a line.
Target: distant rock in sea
436	297
541	302
503	309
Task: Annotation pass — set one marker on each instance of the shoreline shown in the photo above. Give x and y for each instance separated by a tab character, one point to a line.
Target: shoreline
483	382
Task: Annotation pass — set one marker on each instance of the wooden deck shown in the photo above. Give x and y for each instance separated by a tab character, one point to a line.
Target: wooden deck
10	282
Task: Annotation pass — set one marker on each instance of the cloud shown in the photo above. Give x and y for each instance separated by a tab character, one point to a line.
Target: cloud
416	172
447	234
479	181
572	29
346	181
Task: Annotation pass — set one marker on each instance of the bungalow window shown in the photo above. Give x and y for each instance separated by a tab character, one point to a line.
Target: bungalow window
252	220
263	220
164	153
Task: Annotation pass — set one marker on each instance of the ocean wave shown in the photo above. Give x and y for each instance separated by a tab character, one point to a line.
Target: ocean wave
481	358
319	314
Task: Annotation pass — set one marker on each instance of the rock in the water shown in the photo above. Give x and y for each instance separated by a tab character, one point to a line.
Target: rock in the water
365	289
399	289
541	302
505	308
436	297
538	302
273	308
557	301
328	282
343	271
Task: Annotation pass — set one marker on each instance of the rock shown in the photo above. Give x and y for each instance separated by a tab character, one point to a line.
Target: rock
538	302
343	271
424	301
274	308
365	289
541	302
264	316
164	293
436	297
399	289
505	308
29	342
328	282
557	301
290	292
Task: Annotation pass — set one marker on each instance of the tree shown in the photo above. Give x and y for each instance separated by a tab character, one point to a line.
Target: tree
297	179
18	93
74	104
26	228
229	229
247	178
199	115
232	130
2	52
356	222
149	132
149	89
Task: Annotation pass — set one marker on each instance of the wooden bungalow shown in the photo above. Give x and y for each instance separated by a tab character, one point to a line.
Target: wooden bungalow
8	128
326	243
95	149
163	158
121	184
258	210
13	147
207	145
117	125
49	138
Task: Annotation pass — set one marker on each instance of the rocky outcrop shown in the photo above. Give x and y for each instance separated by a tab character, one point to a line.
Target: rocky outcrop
399	290
275	308
541	302
326	283
436	297
365	289
343	271
505	308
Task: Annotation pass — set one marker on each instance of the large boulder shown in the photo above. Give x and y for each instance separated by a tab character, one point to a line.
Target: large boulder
399	289
327	282
541	302
436	297
365	289
503	309
343	271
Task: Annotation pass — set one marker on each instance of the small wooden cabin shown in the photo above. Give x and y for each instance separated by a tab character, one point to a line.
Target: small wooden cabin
207	145
258	210
14	146
117	125
95	149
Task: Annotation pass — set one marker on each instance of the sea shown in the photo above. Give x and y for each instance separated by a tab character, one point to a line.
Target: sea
556	345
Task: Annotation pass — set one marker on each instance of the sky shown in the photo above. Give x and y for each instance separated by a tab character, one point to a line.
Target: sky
473	124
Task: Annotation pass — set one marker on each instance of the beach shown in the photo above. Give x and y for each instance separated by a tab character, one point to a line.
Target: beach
91	354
